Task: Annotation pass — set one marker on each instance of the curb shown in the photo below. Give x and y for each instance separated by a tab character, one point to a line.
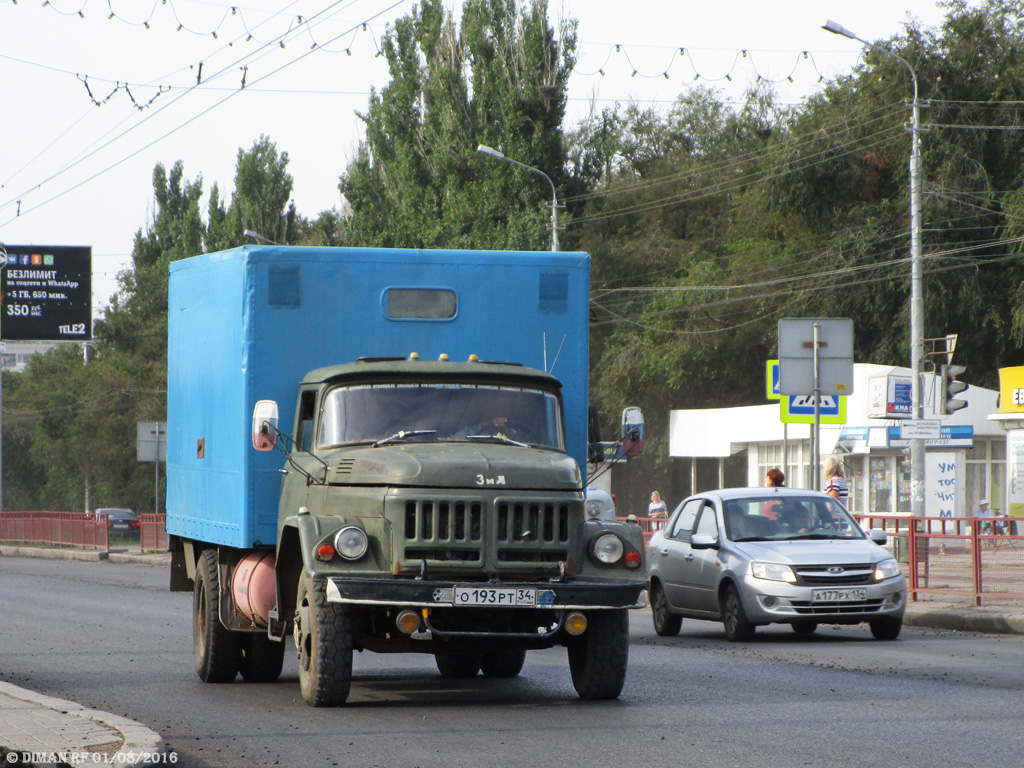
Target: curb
157	559
13	550
966	620
141	745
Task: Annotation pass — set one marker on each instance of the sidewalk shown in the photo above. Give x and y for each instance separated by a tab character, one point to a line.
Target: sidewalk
42	730
37	729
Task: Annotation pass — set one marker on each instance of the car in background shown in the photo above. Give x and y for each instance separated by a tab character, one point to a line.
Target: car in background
120	522
754	556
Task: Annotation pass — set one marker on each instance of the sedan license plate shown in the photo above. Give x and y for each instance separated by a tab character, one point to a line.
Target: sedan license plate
497	596
838	595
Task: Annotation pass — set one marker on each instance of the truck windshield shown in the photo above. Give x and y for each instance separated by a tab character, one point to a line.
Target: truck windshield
373	412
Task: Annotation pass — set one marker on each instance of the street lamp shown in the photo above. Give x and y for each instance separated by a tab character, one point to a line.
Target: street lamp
916	294
258	238
484	149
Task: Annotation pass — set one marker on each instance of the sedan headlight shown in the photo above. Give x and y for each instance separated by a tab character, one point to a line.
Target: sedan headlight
607	548
351	542
887	569
773	572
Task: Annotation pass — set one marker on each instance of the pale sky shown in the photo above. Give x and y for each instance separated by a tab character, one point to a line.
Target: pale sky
74	173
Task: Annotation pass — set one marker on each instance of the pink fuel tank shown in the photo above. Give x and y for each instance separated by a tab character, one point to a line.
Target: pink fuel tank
253	587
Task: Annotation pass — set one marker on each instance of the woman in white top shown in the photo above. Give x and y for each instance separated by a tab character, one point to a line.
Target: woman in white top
835	483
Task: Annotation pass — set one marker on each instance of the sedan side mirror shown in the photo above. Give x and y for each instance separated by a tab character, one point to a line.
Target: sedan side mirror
878	536
264	425
703	541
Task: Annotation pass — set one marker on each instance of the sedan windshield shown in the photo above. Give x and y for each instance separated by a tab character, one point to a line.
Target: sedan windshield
770	518
389	413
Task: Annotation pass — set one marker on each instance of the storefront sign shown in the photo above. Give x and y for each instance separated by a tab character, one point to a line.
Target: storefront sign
949	437
863	439
890	397
1011	390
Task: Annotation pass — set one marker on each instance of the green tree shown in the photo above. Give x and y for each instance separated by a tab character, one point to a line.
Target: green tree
499	80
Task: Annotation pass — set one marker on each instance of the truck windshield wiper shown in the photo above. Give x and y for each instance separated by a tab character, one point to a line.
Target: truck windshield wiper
402	434
499	436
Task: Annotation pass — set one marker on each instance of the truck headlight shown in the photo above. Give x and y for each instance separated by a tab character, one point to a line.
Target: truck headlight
887	569
351	542
773	572
607	548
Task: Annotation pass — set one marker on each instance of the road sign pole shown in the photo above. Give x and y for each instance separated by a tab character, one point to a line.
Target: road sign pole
816	438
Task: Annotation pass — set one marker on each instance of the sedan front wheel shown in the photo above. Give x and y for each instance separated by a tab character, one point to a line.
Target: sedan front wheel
738	627
666	623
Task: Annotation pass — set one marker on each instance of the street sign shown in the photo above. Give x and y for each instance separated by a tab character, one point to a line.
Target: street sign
799	409
151	441
771	371
920	429
834	353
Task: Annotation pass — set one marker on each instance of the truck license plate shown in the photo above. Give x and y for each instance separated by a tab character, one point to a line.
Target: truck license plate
838	595
498	596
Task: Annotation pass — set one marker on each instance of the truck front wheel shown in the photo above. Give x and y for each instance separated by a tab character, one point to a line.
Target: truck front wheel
598	658
323	640
217	649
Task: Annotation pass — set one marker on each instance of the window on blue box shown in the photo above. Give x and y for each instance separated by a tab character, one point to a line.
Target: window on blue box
421	304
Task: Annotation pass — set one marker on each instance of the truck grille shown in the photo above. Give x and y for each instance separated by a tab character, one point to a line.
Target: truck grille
489	534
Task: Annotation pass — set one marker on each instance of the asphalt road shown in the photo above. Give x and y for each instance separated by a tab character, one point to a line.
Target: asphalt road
112	637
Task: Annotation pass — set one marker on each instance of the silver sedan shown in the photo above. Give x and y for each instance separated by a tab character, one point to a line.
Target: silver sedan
754	556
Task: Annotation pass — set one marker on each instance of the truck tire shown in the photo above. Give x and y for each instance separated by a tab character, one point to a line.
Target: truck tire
323	642
598	658
507	662
216	648
457	664
262	658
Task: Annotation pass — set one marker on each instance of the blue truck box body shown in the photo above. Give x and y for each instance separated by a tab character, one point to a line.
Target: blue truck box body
249	323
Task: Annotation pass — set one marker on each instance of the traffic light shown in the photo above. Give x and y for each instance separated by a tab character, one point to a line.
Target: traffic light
949	387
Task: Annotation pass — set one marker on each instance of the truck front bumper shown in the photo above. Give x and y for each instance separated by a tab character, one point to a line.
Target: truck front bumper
453	594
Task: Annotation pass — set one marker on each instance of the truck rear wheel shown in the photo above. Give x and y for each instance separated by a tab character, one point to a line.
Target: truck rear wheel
217	649
262	658
507	662
323	641
457	664
598	658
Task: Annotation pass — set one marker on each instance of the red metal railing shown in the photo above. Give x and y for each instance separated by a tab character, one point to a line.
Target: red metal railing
64	529
74	529
980	558
152	532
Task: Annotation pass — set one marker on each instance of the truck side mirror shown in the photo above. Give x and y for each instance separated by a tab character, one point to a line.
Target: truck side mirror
264	425
632	431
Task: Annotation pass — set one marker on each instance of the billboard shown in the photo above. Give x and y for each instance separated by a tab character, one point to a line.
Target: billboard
45	293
